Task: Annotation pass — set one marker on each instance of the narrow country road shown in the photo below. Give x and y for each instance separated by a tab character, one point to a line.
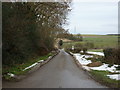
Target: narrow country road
61	72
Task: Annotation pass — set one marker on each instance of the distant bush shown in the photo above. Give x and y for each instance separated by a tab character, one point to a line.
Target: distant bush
84	50
108	52
112	55
76	50
80	47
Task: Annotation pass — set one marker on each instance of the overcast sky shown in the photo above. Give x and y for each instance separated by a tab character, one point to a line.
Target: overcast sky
93	17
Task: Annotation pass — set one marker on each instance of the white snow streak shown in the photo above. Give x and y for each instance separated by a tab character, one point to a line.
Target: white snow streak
33	65
114	76
11	75
105	67
97	53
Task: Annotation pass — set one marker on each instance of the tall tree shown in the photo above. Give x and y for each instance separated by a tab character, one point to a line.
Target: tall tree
29	29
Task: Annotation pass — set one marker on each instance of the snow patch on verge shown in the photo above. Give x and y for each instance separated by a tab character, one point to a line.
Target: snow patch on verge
30	66
86	68
97	53
88	56
81	59
11	75
40	61
105	67
114	76
33	65
49	57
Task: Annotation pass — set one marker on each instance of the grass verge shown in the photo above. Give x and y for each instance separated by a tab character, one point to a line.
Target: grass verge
18	68
101	77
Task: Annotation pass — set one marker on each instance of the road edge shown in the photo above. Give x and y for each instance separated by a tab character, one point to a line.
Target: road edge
86	71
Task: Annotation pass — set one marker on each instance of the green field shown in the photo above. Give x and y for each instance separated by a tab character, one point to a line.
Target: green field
102	41
99	41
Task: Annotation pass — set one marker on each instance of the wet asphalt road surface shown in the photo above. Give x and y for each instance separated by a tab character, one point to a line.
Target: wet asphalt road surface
60	72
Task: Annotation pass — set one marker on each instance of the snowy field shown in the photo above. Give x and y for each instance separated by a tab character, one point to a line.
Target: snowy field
104	67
